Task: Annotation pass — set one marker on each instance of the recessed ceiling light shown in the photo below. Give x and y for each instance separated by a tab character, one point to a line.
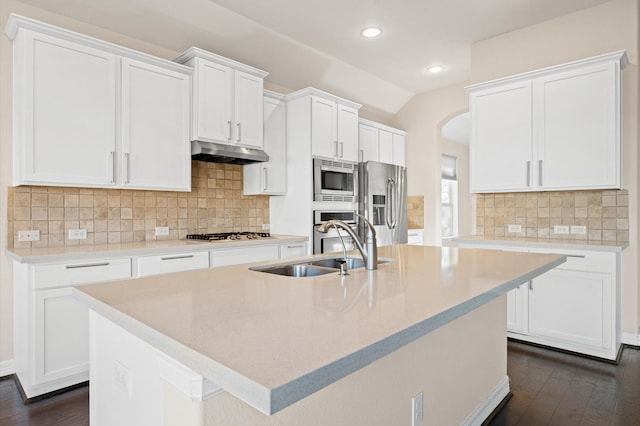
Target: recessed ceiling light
434	69
371	32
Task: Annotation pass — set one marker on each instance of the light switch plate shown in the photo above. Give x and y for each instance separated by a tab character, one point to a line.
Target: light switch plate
266	226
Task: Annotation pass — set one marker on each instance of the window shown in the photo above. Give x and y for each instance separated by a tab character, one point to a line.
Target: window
449	197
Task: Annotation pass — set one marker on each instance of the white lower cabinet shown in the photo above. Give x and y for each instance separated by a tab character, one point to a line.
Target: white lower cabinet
167	263
236	256
588	323
293	250
51	334
51	328
517	300
575	306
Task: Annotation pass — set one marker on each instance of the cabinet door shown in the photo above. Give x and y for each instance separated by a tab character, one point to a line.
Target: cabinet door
213	102
176	262
398	150
236	256
270	177
517	309
578	129
385	145
61	336
274	176
572	306
501	138
248	115
367	143
347	133
324	142
293	250
65	110
155	128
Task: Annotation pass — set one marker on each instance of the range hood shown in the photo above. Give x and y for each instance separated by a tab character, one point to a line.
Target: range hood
212	152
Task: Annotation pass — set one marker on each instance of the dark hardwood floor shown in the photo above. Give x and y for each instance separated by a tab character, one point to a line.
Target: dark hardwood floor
69	408
549	388
554	388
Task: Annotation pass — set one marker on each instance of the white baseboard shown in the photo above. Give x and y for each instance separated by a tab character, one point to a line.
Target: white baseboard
7	367
631	339
487	406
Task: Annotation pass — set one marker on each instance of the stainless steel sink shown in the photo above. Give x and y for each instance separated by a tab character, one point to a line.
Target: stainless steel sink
313	267
297	270
352	262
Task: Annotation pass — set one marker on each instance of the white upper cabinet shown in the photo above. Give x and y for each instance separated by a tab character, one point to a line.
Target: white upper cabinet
377	142
64	112
227	99
501	133
72	93
334	127
155	127
552	129
270	177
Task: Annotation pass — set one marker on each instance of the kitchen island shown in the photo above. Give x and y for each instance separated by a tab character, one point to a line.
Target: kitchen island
238	346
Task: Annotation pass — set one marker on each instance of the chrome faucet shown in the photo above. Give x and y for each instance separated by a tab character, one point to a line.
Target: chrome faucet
368	249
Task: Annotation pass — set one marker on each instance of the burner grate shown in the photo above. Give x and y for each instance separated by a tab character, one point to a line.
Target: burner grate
218	236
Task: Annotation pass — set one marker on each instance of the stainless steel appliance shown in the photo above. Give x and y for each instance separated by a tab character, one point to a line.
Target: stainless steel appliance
334	180
229	236
329	242
383	200
213	152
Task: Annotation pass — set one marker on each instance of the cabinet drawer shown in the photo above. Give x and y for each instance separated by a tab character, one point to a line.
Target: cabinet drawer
293	250
587	262
176	262
239	255
82	272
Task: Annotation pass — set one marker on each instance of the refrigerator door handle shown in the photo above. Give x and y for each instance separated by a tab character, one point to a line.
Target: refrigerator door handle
390	204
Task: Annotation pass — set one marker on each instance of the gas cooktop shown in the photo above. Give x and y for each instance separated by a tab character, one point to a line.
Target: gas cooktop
231	236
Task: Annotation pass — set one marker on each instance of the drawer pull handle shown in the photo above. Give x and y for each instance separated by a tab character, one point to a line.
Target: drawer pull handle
188	256
530	285
296	246
579	256
88	265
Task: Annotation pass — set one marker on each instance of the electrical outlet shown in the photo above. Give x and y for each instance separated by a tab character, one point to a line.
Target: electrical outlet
560	229
122	378
162	231
30	235
77	234
266	226
581	230
417	407
514	228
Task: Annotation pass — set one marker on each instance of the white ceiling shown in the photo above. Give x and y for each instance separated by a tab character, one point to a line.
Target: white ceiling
317	43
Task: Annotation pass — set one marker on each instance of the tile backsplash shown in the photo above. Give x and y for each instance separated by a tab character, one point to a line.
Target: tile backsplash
215	204
605	214
415	210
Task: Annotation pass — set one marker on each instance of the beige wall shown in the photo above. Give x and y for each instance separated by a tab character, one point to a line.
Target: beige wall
422	119
609	27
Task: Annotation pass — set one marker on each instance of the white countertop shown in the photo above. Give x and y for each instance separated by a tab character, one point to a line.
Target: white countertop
606	246
71	253
272	340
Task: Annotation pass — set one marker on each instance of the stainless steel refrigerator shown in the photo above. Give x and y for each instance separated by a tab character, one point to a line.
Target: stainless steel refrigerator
382	198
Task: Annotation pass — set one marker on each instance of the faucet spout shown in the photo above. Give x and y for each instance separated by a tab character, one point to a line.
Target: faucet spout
368	249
